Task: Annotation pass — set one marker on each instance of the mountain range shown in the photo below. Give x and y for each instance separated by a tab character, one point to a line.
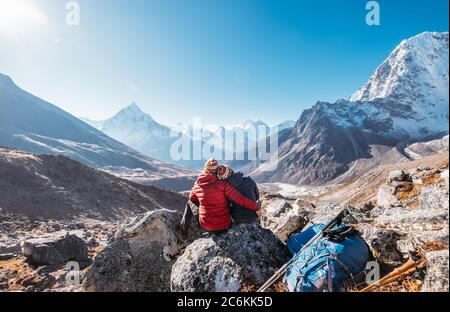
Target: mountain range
140	131
31	124
405	101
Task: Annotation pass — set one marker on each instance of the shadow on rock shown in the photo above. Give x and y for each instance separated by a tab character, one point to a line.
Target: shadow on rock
246	256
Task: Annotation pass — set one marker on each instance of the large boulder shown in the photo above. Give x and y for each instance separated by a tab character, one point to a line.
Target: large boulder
386	197
387	194
58	248
436	278
424	224
399	176
289	223
141	256
435	197
276	208
247	255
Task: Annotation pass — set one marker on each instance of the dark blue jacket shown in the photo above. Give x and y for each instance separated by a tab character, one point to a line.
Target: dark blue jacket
247	187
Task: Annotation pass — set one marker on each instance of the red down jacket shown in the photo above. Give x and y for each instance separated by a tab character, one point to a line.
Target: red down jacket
212	195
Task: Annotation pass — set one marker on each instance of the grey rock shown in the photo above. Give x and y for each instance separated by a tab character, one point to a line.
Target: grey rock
246	255
431	215
140	257
444	176
386	197
436	278
276	208
434	198
290	223
3	281
383	244
376	212
55	227
399	176
8	248
92	242
7	256
55	249
367	208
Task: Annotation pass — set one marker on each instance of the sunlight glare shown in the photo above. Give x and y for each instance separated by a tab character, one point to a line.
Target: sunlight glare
16	14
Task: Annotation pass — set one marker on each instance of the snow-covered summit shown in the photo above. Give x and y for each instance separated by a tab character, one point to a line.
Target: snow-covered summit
407	96
416	71
133	113
131	125
406	100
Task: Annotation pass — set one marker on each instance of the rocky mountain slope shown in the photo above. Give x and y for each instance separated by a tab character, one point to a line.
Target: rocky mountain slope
422	149
364	188
43	198
406	100
32	124
416	77
57	188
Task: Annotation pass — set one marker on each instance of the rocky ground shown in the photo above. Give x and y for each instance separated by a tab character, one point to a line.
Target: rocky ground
405	216
45	197
18	270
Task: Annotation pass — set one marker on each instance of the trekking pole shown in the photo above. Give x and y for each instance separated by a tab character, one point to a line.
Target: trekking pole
336	221
390	280
408	268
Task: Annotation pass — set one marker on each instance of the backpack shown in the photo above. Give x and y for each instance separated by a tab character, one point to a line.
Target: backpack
329	263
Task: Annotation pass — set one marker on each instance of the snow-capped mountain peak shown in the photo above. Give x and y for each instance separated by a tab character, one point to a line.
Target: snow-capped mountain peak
133	112
417	69
132	125
405	100
409	91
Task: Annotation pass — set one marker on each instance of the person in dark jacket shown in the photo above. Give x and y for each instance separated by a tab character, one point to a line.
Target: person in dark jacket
211	195
247	187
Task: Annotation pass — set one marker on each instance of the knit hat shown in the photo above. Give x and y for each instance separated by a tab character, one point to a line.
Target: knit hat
211	166
224	172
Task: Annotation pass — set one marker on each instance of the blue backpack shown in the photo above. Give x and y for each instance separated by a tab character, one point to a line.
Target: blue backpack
329	262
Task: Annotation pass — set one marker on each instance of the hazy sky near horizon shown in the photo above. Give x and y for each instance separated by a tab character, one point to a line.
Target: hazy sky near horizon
223	60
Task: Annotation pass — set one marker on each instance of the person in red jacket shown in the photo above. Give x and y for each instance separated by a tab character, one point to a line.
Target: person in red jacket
211	195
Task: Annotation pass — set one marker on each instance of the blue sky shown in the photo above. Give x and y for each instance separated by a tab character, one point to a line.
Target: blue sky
223	60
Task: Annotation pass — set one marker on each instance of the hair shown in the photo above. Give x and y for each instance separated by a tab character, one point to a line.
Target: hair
211	166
